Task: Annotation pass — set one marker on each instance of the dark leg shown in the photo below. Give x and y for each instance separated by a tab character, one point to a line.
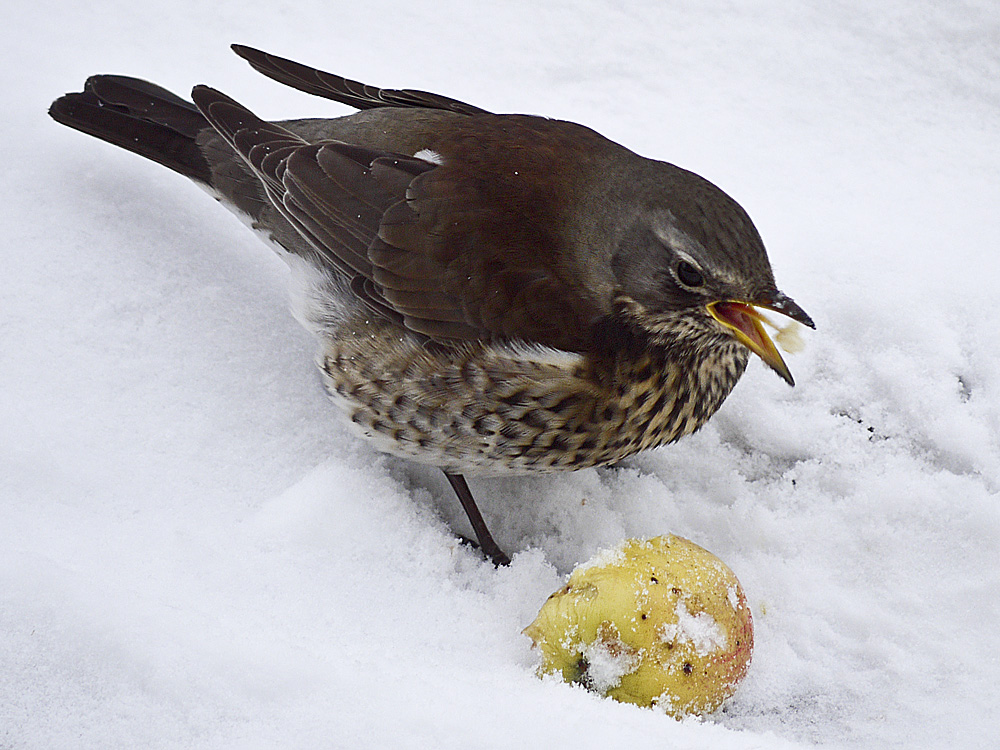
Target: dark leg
489	547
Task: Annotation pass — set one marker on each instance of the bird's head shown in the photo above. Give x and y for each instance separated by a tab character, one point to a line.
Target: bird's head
693	270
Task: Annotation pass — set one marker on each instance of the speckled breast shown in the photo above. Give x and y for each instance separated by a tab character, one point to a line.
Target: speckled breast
496	409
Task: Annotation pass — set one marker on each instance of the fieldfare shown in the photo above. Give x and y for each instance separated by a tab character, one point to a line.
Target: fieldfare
493	294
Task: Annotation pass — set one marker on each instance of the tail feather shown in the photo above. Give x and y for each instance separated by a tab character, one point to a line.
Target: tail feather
139	117
344	90
150	101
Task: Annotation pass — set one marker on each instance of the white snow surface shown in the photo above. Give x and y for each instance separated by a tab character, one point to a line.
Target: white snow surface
195	554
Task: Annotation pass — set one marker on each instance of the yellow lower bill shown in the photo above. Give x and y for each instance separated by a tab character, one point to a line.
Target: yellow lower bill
746	325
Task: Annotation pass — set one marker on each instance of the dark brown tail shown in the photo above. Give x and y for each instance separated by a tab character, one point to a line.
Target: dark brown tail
139	117
344	90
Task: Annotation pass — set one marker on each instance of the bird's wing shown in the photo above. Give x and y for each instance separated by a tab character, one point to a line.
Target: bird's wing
444	249
344	90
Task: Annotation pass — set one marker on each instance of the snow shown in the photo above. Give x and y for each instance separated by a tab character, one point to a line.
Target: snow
608	659
194	552
699	629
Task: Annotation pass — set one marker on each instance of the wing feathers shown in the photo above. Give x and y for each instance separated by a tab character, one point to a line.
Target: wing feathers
456	249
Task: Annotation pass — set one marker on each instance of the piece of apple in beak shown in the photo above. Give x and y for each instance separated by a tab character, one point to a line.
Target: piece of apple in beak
746	324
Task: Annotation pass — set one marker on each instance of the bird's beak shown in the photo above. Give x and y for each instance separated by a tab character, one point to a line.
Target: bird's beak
745	323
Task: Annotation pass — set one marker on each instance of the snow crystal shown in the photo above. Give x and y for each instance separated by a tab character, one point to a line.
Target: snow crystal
732	597
699	629
608	659
603	558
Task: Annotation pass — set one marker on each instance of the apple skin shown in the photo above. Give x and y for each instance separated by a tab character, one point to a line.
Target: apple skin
660	622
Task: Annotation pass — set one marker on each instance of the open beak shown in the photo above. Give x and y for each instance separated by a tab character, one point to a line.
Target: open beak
746	325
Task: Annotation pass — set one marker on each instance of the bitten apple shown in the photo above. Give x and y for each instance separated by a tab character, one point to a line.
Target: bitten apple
659	622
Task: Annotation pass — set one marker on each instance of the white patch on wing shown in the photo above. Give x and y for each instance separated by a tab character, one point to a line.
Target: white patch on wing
428	155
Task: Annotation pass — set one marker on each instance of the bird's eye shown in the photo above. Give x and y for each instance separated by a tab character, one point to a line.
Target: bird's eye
688	275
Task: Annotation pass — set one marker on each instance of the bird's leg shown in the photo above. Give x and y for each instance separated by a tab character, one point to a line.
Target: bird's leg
486	543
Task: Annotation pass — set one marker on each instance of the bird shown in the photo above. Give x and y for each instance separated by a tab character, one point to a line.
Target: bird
493	294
